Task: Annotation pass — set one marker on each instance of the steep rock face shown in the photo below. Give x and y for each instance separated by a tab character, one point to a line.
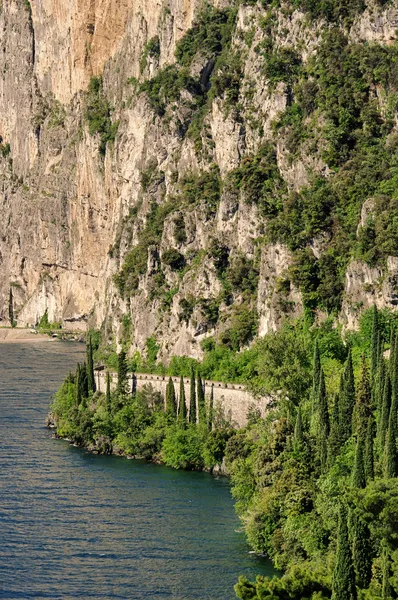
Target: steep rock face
166	198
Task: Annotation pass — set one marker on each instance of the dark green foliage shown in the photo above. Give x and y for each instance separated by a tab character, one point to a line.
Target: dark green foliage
166	87
391	452
152	49
90	367
192	400
182	407
210	33
78	389
171	404
108	399
211	409
298	430
362	553
82	393
323	423
122	372
375	350
98	114
347	400
11	309
363	407
369	449
385	411
334	442
242	329
344	575
174	259
200	394
358	473
316	373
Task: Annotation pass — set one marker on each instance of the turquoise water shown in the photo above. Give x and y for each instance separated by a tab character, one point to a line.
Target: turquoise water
77	525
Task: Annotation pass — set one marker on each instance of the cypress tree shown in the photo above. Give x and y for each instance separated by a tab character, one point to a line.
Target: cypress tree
11	309
122	373
390	454
323	423
83	383
108	399
298	431
211	408
385	411
363	408
358	472
379	388
343	587
316	373
369	450
361	551
171	400
347	400
334	444
201	400
375	343
386	564
192	399
182	407
78	397
90	366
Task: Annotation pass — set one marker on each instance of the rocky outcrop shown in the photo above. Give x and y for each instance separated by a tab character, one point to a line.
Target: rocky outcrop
72	214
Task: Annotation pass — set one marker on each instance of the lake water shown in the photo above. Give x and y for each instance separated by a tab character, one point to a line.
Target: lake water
76	525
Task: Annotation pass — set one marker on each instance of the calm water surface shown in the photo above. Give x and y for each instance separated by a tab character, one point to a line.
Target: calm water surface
75	525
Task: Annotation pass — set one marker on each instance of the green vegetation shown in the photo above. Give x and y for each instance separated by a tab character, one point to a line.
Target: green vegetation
152	49
98	114
45	325
314	485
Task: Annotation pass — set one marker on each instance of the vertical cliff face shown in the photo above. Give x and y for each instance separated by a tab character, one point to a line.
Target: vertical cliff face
152	191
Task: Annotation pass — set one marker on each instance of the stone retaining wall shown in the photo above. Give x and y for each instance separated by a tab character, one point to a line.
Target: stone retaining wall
231	399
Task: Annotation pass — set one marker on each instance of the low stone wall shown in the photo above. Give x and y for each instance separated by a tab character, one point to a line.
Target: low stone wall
232	400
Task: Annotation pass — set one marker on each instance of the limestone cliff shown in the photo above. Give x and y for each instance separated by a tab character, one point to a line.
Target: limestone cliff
150	151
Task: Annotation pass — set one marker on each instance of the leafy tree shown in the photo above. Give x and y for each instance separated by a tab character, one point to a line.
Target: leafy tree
343	587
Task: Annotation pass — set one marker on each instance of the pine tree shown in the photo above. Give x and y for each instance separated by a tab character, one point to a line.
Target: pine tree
347	400
108	399
90	366
343	587
11	309
122	373
363	407
375	344
192	399
298	431
201	400
211	408
182	407
358	472
385	411
323	423
369	450
361	551
334	443
171	400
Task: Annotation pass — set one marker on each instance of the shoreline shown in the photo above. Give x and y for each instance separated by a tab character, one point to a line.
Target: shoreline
17	336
